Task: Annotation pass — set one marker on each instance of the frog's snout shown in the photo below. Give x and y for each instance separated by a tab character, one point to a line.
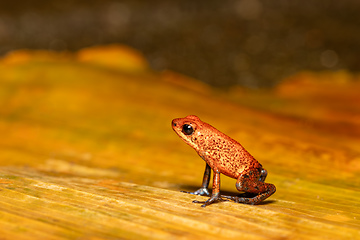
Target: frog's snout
173	123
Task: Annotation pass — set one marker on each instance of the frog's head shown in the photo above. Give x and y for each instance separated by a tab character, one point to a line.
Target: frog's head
188	128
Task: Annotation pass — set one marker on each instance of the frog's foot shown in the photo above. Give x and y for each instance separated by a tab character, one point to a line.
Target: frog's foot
250	198
200	191
246	200
214	198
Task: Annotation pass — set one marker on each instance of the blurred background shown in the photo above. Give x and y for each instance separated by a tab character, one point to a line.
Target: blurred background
251	43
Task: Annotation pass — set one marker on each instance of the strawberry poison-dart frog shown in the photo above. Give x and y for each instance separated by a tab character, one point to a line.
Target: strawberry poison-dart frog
223	155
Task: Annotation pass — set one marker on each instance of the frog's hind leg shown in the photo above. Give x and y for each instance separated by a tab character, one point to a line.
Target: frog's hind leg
255	185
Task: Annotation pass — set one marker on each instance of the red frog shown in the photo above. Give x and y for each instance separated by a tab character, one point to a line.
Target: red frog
223	155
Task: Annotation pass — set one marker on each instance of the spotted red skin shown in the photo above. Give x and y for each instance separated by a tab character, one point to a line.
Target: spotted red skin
225	155
217	149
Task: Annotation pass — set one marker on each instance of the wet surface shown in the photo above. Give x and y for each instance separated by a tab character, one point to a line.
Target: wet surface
252	43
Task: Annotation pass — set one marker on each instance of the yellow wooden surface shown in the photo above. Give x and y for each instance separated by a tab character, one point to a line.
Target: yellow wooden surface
87	151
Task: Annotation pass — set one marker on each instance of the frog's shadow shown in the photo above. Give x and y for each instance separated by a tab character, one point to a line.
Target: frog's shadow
192	188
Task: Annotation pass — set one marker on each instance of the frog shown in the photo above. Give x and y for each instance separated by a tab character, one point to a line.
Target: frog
223	155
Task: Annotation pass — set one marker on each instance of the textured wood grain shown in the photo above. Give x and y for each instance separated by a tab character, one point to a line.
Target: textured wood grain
71	207
87	152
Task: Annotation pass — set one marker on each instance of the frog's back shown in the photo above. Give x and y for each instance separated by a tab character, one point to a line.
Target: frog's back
224	153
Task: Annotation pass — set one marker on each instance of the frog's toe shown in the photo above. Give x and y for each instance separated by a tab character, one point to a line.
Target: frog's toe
245	200
212	199
200	192
228	197
238	199
205	203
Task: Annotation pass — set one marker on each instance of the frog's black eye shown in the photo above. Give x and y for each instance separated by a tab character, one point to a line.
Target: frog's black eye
187	129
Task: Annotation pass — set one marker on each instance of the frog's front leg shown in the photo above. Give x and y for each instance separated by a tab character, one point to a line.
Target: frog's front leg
215	196
203	191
